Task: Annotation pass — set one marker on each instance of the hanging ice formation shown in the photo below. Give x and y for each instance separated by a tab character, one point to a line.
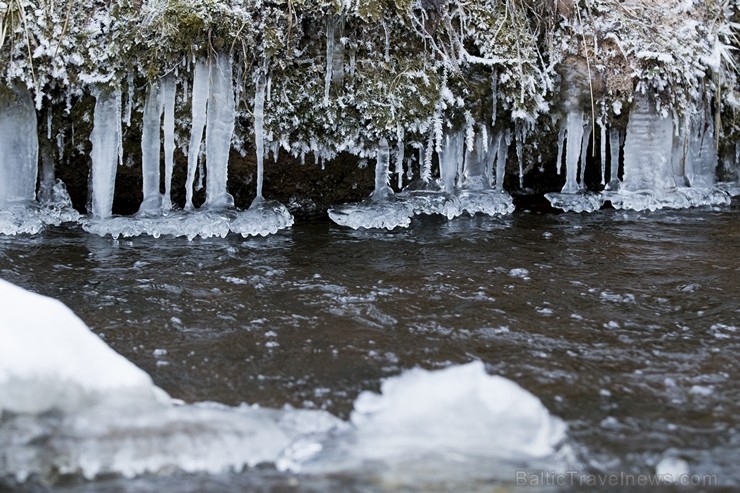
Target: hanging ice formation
199	100
220	119
616	140
151	144
382	209
573	196
168	125
19	154
476	192
104	138
429	196
264	216
652	170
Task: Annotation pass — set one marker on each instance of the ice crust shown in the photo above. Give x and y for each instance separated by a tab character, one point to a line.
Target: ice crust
71	405
205	224
264	217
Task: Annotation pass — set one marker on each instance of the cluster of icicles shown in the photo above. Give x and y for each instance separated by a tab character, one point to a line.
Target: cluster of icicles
664	165
213	111
667	164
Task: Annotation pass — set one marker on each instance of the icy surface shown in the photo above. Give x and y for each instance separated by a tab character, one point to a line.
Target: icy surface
205	224
422	420
576	202
263	217
370	214
219	130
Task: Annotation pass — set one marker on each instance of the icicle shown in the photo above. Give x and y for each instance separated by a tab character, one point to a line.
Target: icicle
269	89
504	139
574	129
449	159
199	101
382	163
494	93
647	150
275	151
387	52
426	163
474	173
329	59
238	85
584	153
352	62
259	130
399	157
150	147
520	152
561	144
48	123
494	142
201	170
46	187
168	97
602	125
220	119
119	126
615	143
130	97
104	139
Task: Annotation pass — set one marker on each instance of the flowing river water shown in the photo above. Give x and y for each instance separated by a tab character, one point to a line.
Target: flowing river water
624	324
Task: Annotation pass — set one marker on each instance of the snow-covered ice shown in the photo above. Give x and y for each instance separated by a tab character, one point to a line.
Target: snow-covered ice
109	418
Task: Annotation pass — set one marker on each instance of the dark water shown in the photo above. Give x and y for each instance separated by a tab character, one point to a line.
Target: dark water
624	324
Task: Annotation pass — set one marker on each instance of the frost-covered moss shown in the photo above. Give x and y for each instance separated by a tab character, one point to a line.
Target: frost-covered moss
343	74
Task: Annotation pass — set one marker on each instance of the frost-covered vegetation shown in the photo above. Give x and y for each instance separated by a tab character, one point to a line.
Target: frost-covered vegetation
341	75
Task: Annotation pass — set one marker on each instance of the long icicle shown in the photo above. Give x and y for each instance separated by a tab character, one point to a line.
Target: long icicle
259	130
168	98
199	101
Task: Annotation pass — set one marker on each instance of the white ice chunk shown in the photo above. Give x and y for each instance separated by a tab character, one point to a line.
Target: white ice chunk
423	420
263	217
205	224
576	202
50	359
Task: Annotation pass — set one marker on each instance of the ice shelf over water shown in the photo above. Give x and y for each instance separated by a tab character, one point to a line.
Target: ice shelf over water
73	406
